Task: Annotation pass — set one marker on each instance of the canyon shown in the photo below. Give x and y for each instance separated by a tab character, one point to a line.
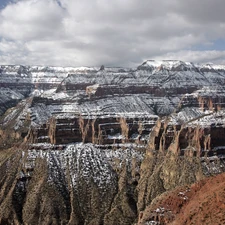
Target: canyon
101	145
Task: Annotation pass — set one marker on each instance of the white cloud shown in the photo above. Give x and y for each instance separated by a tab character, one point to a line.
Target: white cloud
31	19
95	32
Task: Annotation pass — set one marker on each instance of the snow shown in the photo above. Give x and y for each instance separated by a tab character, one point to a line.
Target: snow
212	66
60	95
7	94
152	222
117	136
194	116
169	64
83	160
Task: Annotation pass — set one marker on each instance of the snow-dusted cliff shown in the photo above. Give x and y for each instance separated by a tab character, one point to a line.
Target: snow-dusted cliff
106	141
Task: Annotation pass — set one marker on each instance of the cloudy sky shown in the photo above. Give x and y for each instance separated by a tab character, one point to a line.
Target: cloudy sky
111	32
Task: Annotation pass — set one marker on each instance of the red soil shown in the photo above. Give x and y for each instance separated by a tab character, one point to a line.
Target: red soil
199	204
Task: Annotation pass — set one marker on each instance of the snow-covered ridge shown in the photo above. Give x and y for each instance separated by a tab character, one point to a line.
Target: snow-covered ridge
57	69
108	75
166	63
47	74
170	64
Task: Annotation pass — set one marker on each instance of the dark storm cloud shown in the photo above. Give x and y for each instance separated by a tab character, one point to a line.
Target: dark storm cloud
123	33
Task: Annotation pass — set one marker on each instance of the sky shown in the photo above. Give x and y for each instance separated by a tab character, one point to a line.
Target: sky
111	32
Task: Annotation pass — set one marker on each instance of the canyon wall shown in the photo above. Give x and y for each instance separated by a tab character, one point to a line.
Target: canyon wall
100	146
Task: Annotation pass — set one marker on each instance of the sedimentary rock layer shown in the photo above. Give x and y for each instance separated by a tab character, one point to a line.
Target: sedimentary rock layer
97	146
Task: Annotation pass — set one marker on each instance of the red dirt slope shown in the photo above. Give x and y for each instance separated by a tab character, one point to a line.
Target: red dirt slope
198	204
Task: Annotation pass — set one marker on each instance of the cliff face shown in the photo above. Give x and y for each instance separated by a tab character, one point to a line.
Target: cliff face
93	146
179	155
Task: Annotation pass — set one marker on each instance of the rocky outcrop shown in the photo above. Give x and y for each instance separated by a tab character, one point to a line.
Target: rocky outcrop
80	185
205	98
179	155
101	131
187	140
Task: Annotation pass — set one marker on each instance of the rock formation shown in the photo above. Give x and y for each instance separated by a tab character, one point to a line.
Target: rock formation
100	146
